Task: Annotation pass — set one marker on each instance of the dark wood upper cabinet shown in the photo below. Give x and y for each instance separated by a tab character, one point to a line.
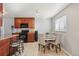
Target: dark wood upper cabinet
29	21
1	7
0	21
1	11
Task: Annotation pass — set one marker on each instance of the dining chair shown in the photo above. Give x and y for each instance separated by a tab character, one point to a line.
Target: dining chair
21	43
42	43
14	47
57	42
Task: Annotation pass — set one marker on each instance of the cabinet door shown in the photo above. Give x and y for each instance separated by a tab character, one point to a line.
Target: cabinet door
17	23
1	7
31	23
6	50
4	47
1	51
1	11
0	21
31	37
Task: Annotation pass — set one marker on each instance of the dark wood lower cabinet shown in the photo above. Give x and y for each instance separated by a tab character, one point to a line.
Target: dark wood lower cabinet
30	36
1	51
4	46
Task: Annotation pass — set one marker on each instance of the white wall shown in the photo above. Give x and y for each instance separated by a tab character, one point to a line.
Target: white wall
71	39
7	23
42	25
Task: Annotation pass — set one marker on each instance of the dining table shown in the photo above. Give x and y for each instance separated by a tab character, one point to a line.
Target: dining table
49	40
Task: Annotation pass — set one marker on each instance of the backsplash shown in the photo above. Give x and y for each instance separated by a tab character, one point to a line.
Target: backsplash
19	30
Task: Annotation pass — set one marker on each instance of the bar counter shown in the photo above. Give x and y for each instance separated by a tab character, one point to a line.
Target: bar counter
6	36
5	43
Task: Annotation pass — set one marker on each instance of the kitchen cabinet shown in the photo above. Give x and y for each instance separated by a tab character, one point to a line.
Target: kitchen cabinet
1	11
1	7
5	45
31	24
30	21
31	37
0	21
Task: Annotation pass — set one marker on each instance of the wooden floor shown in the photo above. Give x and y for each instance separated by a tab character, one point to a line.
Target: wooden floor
31	49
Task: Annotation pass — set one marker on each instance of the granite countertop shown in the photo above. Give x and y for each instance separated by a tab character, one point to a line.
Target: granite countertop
6	36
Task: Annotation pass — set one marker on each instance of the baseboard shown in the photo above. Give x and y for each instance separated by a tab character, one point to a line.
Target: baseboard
66	52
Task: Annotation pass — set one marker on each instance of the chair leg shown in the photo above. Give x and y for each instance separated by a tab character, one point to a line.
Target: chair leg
59	47
39	46
48	46
19	51
22	47
15	50
52	45
44	49
56	48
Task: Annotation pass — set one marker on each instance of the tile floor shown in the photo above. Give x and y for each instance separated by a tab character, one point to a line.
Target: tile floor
31	49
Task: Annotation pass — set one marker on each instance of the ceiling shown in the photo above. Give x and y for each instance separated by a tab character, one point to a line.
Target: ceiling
43	10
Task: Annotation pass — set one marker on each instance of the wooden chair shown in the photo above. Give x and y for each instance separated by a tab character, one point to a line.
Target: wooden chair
21	43
42	43
57	42
14	47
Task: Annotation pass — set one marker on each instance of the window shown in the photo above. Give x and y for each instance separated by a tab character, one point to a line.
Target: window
61	24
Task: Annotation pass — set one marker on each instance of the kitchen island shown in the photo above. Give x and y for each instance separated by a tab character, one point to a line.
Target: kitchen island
5	43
